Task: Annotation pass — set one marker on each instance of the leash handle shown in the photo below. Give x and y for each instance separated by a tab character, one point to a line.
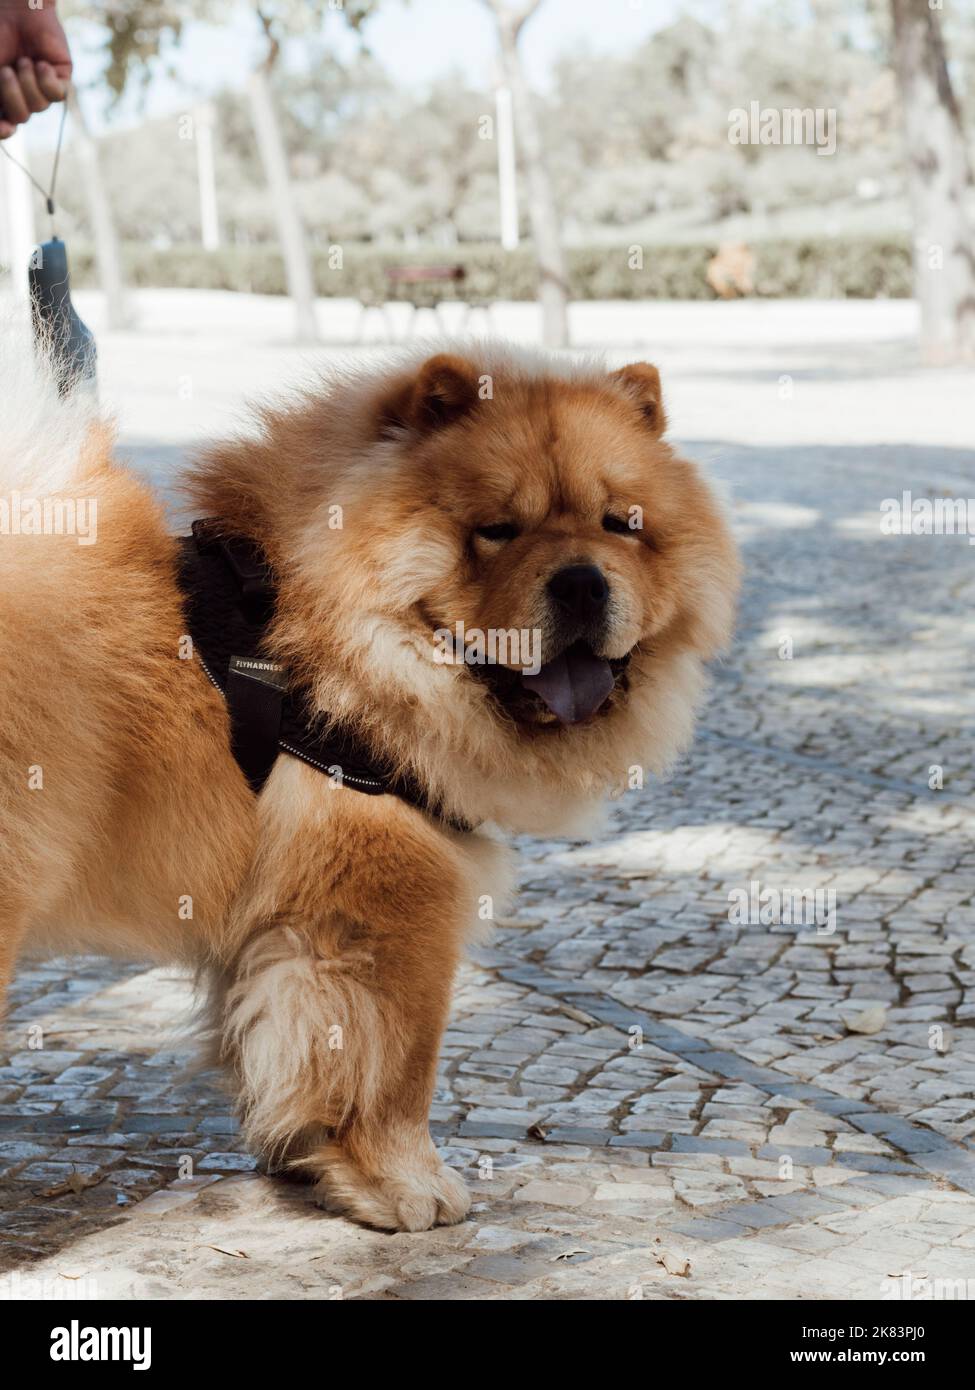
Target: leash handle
58	329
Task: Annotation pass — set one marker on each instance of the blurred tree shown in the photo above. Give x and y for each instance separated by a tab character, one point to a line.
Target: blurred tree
636	146
108	254
278	18
138	31
939	177
553	288
291	234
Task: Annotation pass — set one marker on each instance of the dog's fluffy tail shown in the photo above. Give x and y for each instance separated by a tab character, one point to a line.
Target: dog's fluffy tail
45	436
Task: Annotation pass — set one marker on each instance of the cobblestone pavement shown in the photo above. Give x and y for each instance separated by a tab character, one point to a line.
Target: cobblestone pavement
653	1089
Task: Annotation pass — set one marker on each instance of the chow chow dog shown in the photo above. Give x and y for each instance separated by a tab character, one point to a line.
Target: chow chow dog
473	491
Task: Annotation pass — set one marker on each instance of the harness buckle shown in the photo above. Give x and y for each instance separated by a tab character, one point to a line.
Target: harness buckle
249	567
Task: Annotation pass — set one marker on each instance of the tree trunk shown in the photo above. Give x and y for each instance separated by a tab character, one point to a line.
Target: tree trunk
297	266
938	178
553	290
108	251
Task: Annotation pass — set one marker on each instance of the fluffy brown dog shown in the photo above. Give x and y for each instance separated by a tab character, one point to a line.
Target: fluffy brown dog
508	493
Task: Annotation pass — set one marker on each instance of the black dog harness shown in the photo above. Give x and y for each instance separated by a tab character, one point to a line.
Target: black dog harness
229	598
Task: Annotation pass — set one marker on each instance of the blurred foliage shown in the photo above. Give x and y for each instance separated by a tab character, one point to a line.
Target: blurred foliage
135	32
841	268
638	142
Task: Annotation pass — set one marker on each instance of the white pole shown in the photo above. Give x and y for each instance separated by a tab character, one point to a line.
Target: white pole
20	236
209	220
507	171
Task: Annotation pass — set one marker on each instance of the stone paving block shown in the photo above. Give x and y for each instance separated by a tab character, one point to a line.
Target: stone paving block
228	1162
706	1228
15	1124
472	1129
73	1124
637	1139
806	1206
161	1124
640	1193
692	1143
440	1287
578	1135
755	1215
556	1194
913	1140
52	1173
507	1270
832	1105
872	1163
797	1152
16	1151
499	1238
85	1076
219	1124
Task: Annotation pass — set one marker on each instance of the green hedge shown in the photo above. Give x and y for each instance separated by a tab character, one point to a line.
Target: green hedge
837	268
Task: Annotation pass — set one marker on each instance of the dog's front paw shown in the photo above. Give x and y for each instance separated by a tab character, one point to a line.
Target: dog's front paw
408	1197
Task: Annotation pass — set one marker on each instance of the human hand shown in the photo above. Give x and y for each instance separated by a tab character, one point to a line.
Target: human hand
35	63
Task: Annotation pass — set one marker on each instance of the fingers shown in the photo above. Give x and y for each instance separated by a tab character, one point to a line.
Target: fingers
52	46
30	89
53	86
12	101
26	90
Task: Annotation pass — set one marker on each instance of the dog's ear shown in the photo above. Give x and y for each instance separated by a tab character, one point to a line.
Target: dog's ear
640	381
445	388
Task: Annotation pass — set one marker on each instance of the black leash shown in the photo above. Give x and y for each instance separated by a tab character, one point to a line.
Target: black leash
59	332
46	194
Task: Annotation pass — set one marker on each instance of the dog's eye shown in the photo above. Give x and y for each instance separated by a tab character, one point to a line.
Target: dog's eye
617	524
501	531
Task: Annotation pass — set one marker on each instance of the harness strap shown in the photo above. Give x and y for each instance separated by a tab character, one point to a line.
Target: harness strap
230	595
255	695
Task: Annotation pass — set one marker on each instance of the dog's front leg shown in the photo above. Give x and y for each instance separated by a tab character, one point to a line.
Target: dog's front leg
334	1019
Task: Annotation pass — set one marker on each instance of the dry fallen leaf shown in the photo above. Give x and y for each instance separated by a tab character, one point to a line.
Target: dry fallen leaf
567	1255
579	1015
75	1182
674	1264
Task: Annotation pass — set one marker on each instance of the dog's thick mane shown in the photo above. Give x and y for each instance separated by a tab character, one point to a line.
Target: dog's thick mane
233	479
369	664
46	438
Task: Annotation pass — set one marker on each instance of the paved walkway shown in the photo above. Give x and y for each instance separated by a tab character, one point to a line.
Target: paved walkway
725	1051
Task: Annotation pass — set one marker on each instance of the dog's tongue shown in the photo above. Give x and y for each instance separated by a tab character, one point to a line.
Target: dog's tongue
574	685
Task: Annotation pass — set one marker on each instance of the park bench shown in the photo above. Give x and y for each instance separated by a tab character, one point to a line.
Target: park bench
427	287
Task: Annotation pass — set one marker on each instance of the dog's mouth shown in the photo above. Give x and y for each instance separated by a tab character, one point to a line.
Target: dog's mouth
573	688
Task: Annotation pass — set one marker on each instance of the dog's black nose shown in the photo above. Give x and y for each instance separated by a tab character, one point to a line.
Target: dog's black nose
580	591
